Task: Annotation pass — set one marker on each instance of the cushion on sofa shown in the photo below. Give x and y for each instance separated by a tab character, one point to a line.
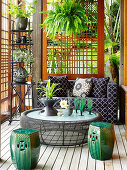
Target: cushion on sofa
99	89
62	82
82	87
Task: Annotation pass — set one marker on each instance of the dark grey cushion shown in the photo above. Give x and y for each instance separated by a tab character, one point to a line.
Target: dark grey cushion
63	85
99	89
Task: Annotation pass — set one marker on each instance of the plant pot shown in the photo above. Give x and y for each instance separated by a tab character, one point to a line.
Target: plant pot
21	23
20	74
69	111
49	110
115	73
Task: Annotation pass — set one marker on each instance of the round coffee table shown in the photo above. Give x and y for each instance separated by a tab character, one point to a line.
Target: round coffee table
59	130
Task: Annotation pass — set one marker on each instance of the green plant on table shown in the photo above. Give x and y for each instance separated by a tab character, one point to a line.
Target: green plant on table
69	17
49	90
21	10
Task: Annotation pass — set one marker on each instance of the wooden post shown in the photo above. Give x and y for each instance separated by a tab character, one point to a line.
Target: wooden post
0	70
121	77
125	42
37	47
125	62
101	38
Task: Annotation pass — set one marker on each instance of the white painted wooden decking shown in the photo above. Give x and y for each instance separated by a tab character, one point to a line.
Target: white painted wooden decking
68	158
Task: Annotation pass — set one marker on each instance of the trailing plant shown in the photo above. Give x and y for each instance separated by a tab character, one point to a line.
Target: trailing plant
28	60
68	17
18	55
26	56
20	10
49	90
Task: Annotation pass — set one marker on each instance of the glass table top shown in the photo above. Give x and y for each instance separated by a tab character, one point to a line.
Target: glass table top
37	114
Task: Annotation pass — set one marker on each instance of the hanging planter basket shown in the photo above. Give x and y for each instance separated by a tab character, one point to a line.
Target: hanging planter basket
68	17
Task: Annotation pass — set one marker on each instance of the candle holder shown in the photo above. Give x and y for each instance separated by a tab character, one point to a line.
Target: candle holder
82	104
76	103
89	104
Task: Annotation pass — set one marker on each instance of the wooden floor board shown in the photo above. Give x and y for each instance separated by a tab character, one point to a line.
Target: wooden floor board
68	158
60	158
121	149
76	158
84	158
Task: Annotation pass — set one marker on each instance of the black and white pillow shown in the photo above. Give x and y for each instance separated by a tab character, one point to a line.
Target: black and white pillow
82	87
63	84
99	89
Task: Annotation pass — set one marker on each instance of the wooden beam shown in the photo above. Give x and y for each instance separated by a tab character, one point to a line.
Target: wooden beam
125	42
101	38
37	47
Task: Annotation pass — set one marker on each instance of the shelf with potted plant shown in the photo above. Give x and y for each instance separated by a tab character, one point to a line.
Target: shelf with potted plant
23	57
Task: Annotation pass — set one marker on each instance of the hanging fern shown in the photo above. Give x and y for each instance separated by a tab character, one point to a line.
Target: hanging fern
68	17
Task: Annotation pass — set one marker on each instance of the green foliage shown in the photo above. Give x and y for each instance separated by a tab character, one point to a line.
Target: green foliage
112	33
109	43
49	90
20	10
68	16
115	59
25	56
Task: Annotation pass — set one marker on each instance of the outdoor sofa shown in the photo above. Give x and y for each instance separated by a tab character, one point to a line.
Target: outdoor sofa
107	106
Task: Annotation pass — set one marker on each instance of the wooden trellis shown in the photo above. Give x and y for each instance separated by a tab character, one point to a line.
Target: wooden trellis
83	57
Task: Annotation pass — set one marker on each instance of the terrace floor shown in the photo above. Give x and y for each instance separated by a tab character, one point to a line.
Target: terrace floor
68	158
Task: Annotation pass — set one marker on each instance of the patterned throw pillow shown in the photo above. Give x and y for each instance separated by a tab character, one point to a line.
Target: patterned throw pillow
63	84
99	89
82	87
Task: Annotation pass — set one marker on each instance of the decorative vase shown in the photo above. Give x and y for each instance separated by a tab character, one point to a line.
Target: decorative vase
25	148
18	40
24	39
49	110
69	111
101	138
21	23
20	74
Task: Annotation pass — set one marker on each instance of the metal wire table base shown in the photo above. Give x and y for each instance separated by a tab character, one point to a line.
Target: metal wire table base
66	133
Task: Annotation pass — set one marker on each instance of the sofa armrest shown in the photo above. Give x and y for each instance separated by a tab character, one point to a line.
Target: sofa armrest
112	96
39	91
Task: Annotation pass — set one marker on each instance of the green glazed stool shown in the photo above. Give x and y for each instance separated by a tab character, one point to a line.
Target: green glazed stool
101	138
25	148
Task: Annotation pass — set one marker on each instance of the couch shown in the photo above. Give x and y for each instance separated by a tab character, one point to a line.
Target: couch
107	107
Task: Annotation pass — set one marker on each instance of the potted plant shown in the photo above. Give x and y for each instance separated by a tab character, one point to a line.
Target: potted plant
114	60
69	109
18	55
21	12
49	101
68	17
26	56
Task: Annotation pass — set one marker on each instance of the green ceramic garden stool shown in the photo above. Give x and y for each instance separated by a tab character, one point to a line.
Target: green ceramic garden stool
25	148
101	138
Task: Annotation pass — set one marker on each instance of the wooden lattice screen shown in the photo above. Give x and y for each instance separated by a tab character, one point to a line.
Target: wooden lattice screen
83	57
5	56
